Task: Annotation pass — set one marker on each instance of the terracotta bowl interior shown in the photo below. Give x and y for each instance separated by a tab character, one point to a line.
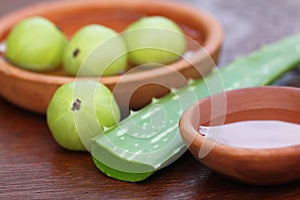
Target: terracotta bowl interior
202	28
252	166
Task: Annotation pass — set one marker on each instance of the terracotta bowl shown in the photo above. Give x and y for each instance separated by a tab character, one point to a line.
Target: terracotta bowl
252	166
33	91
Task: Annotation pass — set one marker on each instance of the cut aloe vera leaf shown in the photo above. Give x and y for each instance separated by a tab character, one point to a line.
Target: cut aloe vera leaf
136	149
133	150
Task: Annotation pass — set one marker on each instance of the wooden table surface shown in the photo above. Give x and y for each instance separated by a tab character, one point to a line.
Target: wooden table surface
33	166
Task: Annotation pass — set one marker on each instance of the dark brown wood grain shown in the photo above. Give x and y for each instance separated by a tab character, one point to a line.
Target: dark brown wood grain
33	166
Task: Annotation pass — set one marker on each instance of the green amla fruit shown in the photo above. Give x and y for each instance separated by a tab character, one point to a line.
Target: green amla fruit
95	50
154	39
35	44
79	111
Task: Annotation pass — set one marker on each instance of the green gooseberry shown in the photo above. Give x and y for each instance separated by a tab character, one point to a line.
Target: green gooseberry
154	39
80	110
95	50
35	44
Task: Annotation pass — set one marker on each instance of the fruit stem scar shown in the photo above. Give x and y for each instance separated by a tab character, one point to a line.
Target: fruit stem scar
75	53
76	105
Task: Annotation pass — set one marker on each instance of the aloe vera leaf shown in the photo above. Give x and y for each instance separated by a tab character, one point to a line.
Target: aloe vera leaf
133	150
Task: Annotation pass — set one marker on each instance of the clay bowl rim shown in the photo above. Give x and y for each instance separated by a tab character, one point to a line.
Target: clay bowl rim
225	159
186	126
212	42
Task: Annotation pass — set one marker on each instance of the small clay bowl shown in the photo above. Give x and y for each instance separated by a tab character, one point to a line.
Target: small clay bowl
252	166
33	91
